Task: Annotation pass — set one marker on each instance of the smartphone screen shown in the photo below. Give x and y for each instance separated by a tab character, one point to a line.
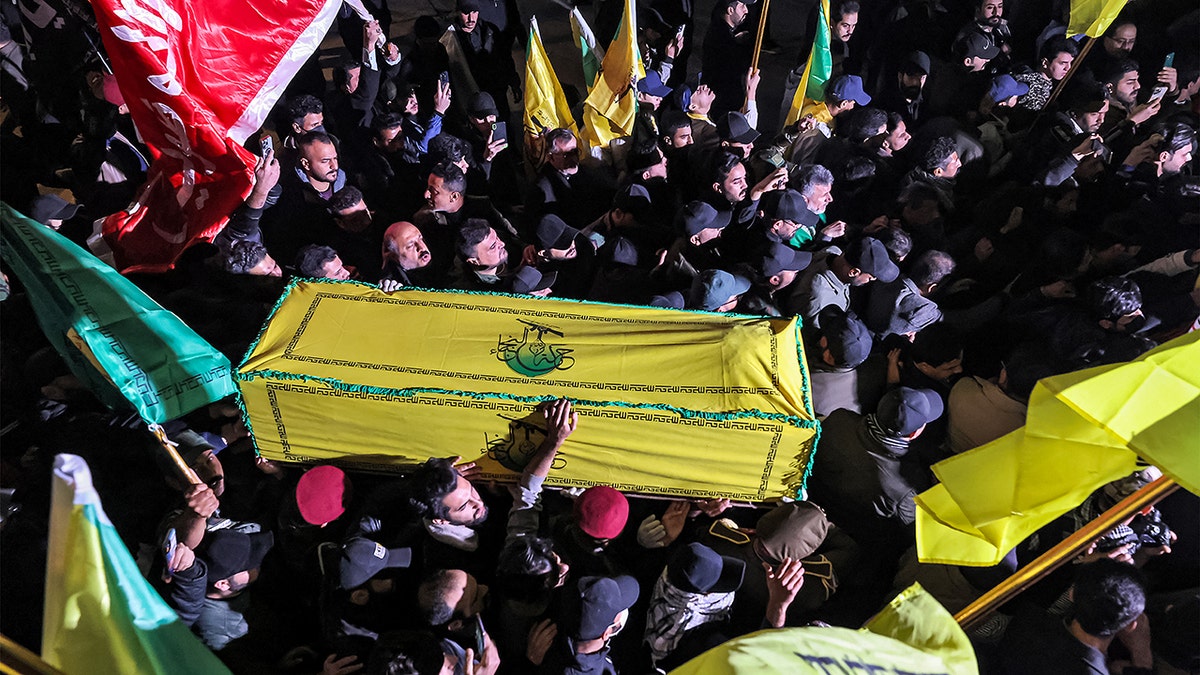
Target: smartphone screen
169	542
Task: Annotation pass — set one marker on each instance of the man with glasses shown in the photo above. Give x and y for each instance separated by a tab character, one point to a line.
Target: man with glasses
565	188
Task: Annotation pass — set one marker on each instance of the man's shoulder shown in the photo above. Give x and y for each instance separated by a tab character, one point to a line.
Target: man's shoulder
841	420
1039	643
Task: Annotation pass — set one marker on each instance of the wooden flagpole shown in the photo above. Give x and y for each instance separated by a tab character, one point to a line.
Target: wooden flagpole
975	613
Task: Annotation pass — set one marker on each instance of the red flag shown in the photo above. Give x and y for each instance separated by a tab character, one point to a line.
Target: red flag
199	78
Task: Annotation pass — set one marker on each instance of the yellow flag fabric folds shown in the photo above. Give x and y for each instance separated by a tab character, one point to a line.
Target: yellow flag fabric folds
670	402
1083	429
918	620
101	615
611	105
545	103
1093	17
813	651
816	71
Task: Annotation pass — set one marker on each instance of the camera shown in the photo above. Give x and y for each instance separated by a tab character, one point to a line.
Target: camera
1145	530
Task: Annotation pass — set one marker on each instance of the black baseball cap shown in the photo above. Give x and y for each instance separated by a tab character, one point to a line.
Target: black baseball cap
869	255
697	568
601	599
363	558
781	257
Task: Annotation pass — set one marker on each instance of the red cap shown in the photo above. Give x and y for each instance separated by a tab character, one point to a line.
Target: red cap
321	494
601	512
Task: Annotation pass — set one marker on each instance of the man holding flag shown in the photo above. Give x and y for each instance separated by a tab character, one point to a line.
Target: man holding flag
611	106
545	103
727	56
194	111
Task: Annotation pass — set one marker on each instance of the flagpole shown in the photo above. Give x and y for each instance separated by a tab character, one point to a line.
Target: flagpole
1067	549
1058	87
758	40
23	661
161	435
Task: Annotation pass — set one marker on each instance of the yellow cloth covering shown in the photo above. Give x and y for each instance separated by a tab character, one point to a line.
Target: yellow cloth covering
675	403
1084	429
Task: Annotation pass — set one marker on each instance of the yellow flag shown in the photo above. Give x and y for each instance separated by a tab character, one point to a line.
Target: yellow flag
816	71
669	402
918	620
1083	429
1093	17
813	651
545	103
101	615
611	105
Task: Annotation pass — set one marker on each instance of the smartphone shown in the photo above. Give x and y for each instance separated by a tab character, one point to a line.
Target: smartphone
679	31
444	77
774	157
480	642
499	131
1161	89
268	145
169	542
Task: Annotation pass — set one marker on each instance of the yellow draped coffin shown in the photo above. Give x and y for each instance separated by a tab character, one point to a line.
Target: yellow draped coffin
670	402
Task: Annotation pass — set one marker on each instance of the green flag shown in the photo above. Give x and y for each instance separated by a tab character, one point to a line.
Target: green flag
593	54
817	70
119	342
101	615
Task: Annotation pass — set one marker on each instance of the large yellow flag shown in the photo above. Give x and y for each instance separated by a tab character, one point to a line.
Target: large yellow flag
918	620
1093	17
813	651
611	105
669	402
1083	429
545	103
912	634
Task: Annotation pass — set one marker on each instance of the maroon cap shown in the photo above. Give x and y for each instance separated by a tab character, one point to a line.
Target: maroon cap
601	512
321	494
112	92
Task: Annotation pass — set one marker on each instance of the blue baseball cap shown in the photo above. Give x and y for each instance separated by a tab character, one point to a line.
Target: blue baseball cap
652	84
1004	87
848	88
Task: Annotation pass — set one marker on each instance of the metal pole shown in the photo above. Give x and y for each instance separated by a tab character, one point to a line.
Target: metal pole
1067	549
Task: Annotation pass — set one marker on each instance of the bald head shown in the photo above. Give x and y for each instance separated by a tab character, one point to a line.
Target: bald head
403	243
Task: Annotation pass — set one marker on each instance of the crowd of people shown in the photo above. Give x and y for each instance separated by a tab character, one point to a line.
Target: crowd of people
973	202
